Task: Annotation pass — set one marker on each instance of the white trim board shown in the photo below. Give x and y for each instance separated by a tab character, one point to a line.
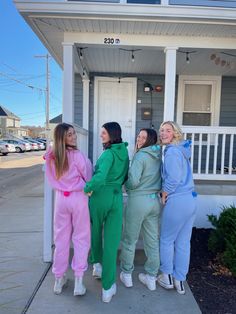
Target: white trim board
96	128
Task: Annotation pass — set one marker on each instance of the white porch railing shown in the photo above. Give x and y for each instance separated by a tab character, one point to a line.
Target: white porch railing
213	152
82	138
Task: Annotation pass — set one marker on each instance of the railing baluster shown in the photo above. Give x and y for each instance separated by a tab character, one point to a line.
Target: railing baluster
215	153
231	146
207	153
200	154
223	154
192	150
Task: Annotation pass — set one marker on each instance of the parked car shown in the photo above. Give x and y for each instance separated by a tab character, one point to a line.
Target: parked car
19	145
33	145
42	141
6	148
41	146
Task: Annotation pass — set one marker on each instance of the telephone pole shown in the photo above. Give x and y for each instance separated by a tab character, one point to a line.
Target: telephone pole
47	91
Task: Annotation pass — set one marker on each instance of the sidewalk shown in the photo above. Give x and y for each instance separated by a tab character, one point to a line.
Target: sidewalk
21	264
136	300
21	269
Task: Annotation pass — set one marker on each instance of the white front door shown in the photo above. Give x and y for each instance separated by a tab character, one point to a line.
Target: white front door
115	100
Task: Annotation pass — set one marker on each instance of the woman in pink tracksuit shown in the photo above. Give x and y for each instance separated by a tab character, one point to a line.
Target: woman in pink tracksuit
67	170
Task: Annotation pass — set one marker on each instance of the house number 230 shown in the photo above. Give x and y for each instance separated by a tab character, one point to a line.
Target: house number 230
111	41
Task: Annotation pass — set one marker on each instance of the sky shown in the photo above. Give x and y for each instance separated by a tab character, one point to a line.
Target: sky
18	48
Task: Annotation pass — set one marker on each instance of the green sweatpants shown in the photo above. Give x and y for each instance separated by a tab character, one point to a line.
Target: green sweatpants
142	214
106	207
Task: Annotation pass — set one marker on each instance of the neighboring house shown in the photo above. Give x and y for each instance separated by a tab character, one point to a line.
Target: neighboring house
113	53
10	124
52	124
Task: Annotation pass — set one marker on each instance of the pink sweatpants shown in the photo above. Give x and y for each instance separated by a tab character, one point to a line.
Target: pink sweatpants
71	222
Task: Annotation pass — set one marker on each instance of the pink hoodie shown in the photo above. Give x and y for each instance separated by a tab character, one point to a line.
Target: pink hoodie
79	172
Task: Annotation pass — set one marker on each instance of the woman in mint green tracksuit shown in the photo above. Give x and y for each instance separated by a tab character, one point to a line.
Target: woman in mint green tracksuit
143	210
106	206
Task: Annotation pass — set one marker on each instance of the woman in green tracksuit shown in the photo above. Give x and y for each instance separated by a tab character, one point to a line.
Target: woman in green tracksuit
143	210
106	206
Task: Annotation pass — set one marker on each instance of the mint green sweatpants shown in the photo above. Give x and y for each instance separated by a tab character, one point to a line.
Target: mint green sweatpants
142	214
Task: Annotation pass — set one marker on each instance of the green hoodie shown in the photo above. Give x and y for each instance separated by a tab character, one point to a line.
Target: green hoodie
145	172
111	168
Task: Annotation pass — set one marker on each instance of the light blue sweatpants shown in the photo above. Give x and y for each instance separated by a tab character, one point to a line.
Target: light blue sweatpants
176	230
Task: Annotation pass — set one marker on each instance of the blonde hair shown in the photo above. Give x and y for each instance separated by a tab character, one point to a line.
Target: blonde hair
59	148
178	134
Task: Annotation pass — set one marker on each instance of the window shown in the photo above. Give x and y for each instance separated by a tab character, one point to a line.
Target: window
199	100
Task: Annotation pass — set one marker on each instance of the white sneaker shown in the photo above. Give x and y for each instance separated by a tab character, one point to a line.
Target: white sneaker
147	280
108	294
165	281
97	270
126	279
59	284
179	286
79	286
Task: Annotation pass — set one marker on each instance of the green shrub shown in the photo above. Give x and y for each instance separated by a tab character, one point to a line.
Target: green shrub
223	237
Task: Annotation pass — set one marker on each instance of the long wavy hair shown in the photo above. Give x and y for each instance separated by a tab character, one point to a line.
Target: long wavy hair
59	148
178	134
151	138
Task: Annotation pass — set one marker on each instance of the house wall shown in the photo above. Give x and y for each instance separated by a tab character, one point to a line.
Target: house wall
9	122
156	101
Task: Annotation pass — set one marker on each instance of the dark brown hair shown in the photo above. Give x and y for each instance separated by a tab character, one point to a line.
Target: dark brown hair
151	137
114	131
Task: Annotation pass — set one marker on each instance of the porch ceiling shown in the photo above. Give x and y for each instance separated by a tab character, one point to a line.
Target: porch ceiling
152	61
106	59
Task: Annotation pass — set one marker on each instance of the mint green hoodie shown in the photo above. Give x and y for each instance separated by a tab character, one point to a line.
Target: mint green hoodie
111	168
144	175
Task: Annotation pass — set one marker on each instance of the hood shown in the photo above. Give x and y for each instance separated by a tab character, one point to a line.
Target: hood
120	150
153	150
184	146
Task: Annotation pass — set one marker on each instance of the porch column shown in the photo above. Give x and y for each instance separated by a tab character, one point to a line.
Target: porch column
68	83
170	77
86	103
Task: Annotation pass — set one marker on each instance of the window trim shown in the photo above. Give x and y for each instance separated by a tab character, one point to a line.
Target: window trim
215	81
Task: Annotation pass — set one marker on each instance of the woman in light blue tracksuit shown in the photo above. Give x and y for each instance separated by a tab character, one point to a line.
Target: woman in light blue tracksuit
179	198
142	213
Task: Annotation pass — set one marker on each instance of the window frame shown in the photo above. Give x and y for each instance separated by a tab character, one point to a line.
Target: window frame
214	81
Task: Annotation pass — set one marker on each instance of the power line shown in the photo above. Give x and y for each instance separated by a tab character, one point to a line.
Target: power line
21	82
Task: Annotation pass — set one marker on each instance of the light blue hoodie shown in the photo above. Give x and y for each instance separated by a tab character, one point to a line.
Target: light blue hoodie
176	170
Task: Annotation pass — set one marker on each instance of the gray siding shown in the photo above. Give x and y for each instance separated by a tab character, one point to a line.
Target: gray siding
152	100
78	100
228	101
228	110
